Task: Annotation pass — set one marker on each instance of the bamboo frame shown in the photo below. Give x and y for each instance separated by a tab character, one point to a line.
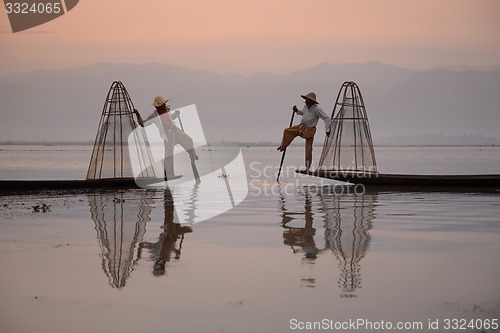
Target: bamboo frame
350	131
111	143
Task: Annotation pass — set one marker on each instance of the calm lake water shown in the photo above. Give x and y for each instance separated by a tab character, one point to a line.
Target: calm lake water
298	254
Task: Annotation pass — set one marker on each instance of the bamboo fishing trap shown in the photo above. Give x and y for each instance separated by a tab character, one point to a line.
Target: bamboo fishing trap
349	146
121	148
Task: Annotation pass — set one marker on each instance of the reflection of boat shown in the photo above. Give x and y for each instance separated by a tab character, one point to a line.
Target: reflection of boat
380	179
120	221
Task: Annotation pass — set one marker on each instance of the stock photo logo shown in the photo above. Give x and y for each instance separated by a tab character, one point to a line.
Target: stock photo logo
214	184
29	13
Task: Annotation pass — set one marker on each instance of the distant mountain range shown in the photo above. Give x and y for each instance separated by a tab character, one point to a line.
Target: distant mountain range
65	105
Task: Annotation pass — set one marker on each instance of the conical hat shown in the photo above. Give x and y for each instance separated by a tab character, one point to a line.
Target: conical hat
159	101
311	96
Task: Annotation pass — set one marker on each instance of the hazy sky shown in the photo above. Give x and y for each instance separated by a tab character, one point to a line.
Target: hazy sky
248	36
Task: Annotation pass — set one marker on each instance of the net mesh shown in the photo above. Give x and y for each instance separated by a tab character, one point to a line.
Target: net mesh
117	130
349	146
120	228
347	234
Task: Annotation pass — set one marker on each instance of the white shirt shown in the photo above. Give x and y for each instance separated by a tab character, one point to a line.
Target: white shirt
310	116
163	122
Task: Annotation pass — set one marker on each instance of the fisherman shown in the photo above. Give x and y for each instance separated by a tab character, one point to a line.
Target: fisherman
170	133
310	113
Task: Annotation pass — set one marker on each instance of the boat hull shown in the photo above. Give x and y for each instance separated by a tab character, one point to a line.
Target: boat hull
407	180
7	186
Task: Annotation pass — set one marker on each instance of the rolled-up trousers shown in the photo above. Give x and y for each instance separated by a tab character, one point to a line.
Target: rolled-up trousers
307	133
176	136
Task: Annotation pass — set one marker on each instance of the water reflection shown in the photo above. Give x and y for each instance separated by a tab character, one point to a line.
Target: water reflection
169	245
120	221
347	219
301	239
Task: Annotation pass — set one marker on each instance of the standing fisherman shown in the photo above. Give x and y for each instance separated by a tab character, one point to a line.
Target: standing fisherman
170	133
311	113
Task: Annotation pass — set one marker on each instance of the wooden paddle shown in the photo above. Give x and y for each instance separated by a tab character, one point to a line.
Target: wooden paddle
284	151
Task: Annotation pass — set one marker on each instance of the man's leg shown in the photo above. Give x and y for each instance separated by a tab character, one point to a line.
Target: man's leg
309	149
186	142
168	161
289	134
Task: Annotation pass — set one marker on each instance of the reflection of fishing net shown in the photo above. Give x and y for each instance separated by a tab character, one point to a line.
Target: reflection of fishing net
347	234
120	221
110	156
349	146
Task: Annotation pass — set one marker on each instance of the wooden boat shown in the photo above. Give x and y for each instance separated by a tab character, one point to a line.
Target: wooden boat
83	184
350	144
408	180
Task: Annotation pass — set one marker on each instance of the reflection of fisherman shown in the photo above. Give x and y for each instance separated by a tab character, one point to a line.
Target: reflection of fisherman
303	237
170	236
169	132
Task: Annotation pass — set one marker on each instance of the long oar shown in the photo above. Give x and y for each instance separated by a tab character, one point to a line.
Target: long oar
193	166
284	151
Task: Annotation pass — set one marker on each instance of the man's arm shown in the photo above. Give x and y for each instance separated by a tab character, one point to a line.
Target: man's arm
174	115
321	114
297	111
140	120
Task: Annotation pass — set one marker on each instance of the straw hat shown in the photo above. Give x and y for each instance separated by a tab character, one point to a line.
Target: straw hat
311	96
159	101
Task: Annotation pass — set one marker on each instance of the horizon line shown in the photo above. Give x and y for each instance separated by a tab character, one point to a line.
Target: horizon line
460	67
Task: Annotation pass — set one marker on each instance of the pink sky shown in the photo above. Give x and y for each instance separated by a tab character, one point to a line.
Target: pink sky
248	36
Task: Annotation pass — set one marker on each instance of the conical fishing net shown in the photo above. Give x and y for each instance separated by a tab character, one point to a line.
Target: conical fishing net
349	146
117	133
